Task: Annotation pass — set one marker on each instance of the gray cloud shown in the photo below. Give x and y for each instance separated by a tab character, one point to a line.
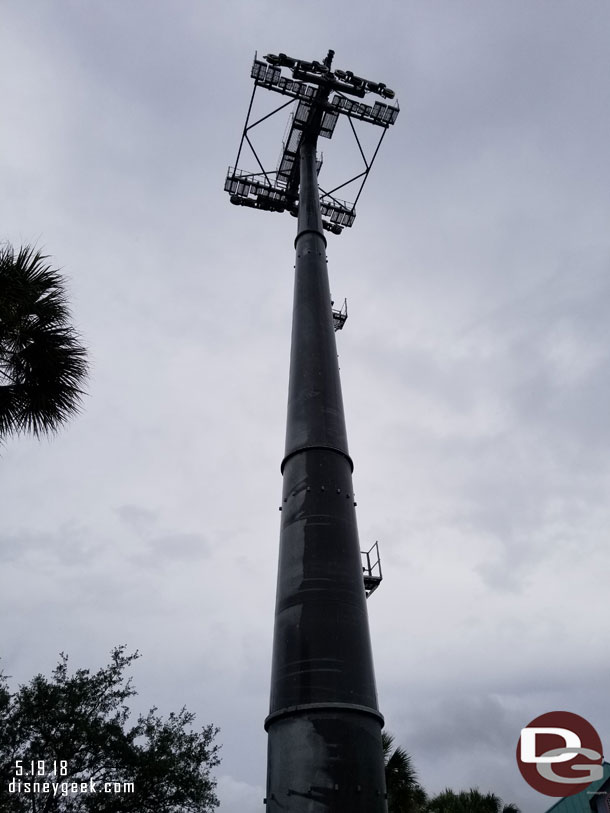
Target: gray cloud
474	363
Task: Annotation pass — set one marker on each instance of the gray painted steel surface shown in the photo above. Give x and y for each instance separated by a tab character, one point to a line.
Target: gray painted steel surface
324	726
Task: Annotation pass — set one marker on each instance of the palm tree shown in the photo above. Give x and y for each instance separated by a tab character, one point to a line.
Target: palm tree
405	795
469	801
42	364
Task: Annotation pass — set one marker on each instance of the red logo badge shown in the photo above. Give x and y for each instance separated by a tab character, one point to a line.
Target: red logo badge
560	754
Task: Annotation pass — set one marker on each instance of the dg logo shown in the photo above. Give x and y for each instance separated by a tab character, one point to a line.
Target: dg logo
560	754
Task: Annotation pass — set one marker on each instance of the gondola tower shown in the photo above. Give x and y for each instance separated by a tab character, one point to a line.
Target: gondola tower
324	725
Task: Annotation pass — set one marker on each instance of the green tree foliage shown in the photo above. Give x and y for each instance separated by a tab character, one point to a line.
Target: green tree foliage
42	364
405	795
469	801
78	725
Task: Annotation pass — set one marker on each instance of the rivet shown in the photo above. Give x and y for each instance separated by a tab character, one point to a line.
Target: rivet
322	488
308	488
285	499
294	493
338	491
355	504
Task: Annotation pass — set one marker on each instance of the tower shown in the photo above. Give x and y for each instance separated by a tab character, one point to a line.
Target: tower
324	725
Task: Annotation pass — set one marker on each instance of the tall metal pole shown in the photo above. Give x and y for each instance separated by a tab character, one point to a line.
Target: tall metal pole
324	726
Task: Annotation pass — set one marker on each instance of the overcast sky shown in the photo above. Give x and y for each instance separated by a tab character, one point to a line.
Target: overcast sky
475	362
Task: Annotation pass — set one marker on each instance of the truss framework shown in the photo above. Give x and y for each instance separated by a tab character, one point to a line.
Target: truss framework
277	190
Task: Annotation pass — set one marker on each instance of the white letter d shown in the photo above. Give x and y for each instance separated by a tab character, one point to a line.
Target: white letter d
528	744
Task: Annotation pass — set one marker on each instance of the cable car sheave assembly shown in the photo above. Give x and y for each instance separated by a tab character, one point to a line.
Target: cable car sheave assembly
311	85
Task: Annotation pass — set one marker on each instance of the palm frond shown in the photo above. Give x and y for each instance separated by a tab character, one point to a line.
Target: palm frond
42	363
405	795
469	801
387	740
